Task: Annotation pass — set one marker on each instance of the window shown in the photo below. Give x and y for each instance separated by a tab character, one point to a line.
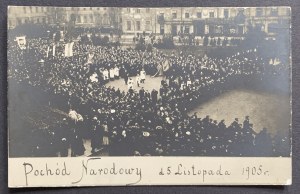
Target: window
129	25
226	13
105	19
24	9
91	8
187	15
44	20
138	25
91	18
211	14
36	9
161	18
288	11
199	14
274	11
85	19
147	10
174	15
259	12
148	25
162	29
128	10
138	11
38	20
98	8
78	19
187	29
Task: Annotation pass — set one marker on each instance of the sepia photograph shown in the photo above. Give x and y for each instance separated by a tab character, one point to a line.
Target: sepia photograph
138	81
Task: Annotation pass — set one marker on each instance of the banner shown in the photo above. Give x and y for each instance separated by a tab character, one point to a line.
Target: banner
69	49
53	50
21	40
48	49
206	29
90	58
166	65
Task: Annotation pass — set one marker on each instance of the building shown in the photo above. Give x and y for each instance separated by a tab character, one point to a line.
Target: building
93	16
29	14
202	20
138	20
271	20
174	21
80	16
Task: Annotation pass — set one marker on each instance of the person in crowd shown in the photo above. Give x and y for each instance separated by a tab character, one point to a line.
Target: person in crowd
143	75
130	83
138	80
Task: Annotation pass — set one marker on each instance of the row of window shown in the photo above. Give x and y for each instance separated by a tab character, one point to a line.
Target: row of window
137	26
35	9
90	19
259	11
137	10
88	8
31	9
20	21
198	15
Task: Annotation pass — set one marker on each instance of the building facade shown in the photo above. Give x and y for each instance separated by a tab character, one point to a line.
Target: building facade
18	15
197	20
93	16
175	21
202	20
270	19
80	16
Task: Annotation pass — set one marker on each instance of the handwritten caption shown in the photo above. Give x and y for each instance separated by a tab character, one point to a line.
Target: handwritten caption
134	174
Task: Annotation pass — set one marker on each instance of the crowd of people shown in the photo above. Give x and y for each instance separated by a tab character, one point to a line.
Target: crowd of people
142	122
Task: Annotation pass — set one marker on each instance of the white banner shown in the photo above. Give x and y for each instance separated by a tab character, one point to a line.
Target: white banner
21	40
53	50
69	49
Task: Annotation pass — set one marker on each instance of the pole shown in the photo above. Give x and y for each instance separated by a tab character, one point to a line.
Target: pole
155	18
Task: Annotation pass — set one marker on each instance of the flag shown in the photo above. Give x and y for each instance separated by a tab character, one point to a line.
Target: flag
61	35
159	71
48	49
90	58
21	40
166	65
75	116
206	29
53	50
69	49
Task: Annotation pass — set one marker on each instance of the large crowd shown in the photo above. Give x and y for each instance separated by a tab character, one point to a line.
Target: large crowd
142	122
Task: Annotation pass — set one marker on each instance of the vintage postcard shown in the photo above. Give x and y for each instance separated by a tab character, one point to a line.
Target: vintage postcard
149	96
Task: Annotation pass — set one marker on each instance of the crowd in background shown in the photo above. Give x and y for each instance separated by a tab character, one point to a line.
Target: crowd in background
142	122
